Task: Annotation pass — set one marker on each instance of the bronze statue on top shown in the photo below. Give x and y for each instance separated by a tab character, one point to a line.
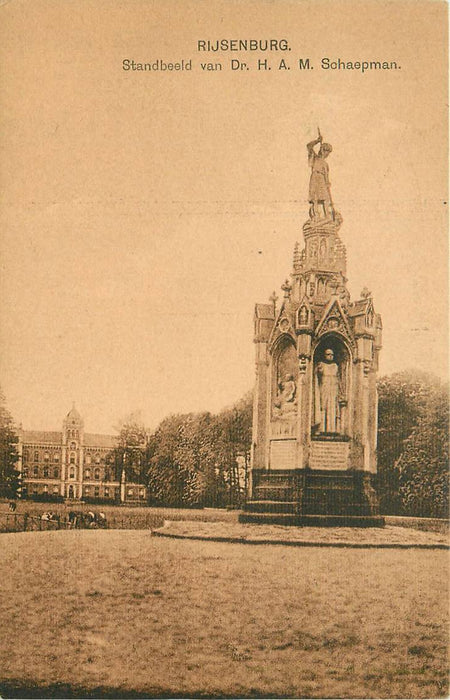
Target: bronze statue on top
319	184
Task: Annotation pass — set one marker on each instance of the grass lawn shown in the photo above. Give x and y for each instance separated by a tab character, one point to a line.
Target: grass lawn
95	610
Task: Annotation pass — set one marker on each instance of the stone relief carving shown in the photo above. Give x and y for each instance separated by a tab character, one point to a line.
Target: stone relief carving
303	363
285	402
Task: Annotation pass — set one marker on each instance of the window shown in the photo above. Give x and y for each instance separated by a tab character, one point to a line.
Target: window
55	489
25	472
106	493
97	473
46	472
55	473
130	492
25	454
46	456
97	491
87	490
97	459
73	445
87	473
88	459
72	458
45	488
35	489
35	471
72	473
56	457
36	456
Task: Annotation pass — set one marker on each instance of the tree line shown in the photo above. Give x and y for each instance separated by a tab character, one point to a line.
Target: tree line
202	459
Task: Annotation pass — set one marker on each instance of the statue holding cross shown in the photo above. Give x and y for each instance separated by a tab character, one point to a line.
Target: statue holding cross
319	184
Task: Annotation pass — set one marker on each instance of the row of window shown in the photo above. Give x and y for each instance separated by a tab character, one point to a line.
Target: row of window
35	472
99	459
87	491
46	473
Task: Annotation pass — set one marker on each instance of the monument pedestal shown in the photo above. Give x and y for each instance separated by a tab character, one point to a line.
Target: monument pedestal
316	497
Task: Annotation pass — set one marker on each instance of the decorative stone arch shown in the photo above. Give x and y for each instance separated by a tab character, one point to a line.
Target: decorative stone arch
343	357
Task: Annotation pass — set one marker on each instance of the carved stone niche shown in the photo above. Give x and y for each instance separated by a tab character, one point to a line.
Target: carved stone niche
284	380
331	387
303	315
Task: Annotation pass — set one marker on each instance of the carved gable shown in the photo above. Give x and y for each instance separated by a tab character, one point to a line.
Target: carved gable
284	325
334	319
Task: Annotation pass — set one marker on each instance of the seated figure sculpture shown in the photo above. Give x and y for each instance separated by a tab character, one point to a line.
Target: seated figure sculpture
285	402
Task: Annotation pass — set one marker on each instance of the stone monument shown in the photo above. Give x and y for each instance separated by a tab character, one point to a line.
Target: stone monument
315	403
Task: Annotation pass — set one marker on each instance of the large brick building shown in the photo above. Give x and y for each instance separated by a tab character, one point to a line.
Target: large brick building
73	464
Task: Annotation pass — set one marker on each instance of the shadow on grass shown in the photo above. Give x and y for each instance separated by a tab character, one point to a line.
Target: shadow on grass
61	691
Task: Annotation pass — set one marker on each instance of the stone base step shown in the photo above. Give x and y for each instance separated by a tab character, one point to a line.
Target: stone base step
321	492
267	506
334	507
273	493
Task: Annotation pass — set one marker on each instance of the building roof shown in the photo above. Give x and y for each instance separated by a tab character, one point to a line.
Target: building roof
265	311
73	416
359	307
53	437
97	440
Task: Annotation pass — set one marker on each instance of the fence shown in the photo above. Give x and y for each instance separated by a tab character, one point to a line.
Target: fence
23	522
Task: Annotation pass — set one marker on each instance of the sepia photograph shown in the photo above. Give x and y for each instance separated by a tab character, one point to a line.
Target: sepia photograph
224	399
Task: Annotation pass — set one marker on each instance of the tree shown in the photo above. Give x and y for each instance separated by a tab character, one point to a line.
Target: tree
192	459
402	400
167	478
9	475
129	455
423	466
236	436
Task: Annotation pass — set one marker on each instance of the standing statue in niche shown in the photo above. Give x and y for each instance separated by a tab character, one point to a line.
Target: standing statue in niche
327	394
319	184
285	402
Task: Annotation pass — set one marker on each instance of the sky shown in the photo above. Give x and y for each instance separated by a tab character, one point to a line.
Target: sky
143	214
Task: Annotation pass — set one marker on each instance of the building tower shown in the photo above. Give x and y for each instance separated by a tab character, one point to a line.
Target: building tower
315	402
72	455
